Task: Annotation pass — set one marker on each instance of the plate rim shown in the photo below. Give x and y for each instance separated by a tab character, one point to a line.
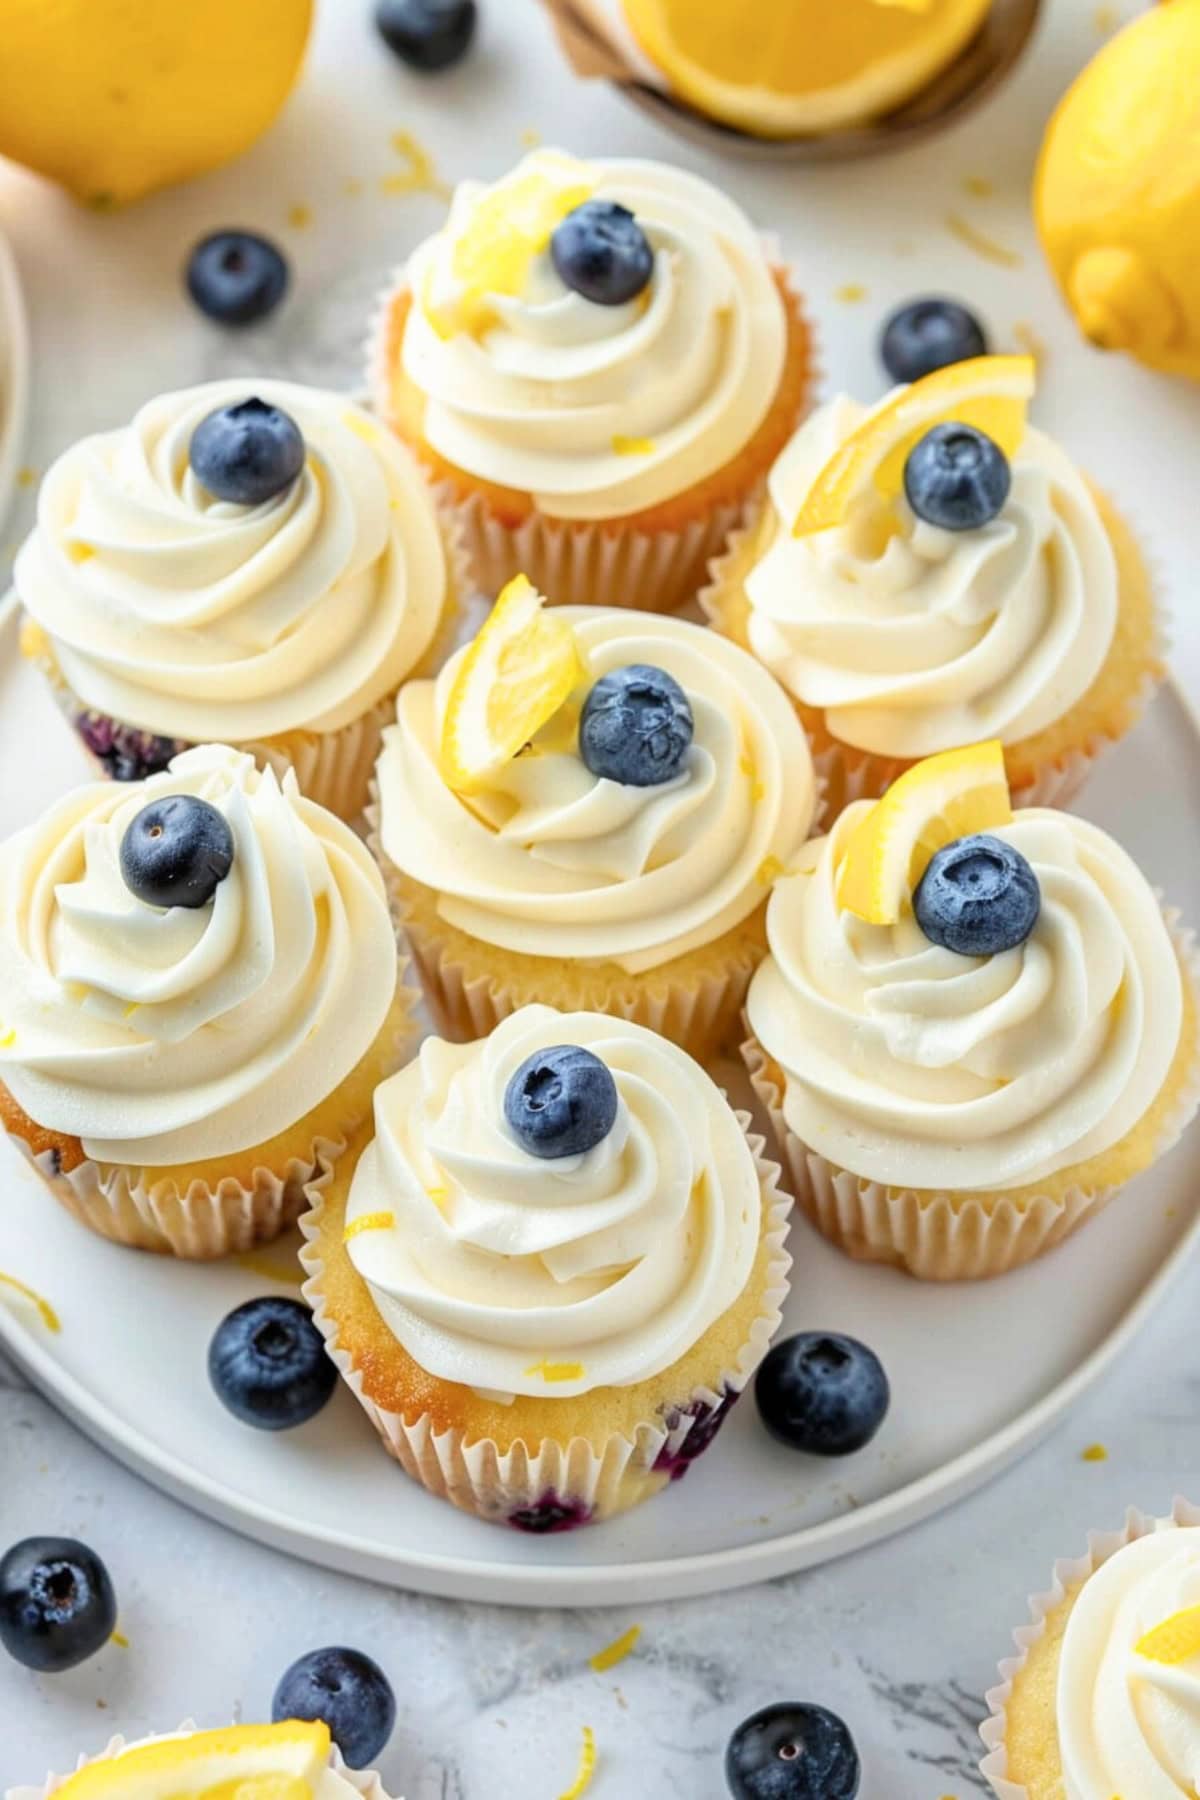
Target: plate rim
15	358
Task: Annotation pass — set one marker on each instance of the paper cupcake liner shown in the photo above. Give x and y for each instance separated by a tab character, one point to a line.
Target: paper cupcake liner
1069	1574
580	562
557	1486
943	1236
364	1781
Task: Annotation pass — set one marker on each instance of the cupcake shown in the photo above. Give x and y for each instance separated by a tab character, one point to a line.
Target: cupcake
253	563
1100	1699
294	1757
552	1268
199	992
587	808
598	362
967	1043
931	572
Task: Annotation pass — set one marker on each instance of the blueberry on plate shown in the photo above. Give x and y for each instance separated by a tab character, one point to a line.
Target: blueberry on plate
346	1691
636	726
822	1393
561	1102
601	252
176	852
57	1605
957	478
792	1752
929	334
267	1364
978	896
248	453
428	35
236	277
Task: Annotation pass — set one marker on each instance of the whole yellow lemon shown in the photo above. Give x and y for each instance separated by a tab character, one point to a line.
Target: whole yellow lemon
114	98
1117	191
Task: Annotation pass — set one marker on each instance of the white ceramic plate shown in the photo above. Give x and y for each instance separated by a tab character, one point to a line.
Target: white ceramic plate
14	375
979	1373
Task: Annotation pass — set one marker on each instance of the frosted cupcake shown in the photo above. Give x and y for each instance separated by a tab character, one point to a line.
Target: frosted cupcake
599	363
967	1044
552	1269
1100	1699
253	563
200	992
298	1756
931	572
587	808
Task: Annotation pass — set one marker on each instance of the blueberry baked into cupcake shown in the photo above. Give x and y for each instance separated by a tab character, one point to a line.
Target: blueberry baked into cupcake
552	1268
258	564
199	992
973	1026
587	808
599	363
931	572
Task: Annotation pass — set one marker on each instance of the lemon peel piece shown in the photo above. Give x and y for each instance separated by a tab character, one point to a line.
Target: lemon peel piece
587	1767
557	1371
1176	1640
242	1762
41	1305
616	1652
372	1221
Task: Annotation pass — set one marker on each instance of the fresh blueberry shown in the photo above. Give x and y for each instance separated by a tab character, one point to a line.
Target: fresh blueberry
427	34
561	1102
57	1605
956	477
822	1393
636	726
978	896
247	454
792	1752
346	1691
236	277
925	335
267	1364
177	852
601	252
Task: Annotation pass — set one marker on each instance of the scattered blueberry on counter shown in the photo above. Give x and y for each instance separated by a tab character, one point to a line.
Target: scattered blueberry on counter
924	335
268	1366
248	453
636	726
979	896
957	478
177	852
601	252
793	1752
561	1102
822	1393
346	1691
57	1605
236	277
428	35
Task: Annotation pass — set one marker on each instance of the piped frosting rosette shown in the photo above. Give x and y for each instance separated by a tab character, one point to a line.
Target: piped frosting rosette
148	1049
957	1103
611	1299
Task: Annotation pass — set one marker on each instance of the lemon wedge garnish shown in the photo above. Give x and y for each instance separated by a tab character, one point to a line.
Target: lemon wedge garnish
992	393
515	676
930	805
243	1762
1176	1640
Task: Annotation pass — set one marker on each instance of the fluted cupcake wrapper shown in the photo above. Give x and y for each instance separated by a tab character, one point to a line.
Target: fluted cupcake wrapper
556	1486
364	1781
939	1236
1069	1574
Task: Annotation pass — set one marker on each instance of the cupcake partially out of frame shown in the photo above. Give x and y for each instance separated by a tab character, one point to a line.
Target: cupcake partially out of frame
588	808
933	571
199	992
551	1270
249	562
974	1025
598	362
1100	1699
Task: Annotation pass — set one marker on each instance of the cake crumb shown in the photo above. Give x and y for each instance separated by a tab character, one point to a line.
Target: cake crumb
616	1652
850	293
1094	1453
300	217
982	244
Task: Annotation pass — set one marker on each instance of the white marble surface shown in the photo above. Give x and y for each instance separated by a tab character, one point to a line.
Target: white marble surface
903	1639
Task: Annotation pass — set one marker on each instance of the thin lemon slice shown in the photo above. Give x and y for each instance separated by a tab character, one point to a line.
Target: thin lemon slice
1176	1640
513	679
244	1762
930	805
990	392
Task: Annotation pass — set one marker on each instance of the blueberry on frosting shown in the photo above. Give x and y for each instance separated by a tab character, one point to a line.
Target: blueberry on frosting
957	478
247	454
601	252
978	897
561	1102
636	726
176	852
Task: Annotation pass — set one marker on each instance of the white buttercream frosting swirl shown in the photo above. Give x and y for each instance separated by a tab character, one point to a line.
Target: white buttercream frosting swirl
909	1064
513	1274
1128	1724
599	411
551	860
200	619
912	639
164	1036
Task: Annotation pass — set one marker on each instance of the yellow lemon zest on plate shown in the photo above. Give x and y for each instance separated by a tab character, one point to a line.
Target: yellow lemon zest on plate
372	1221
1176	1640
241	1762
633	446
560	1371
45	1311
850	293
361	426
982	244
1094	1453
300	217
120	1640
420	175
616	1652
587	1767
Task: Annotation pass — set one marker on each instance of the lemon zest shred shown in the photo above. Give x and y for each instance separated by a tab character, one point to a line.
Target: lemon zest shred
300	217
27	477
45	1311
850	293
120	1640
372	1221
1095	1453
769	870
439	1196
552	1371
361	427
587	1767
983	245
616	1652
633	446
8	1038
